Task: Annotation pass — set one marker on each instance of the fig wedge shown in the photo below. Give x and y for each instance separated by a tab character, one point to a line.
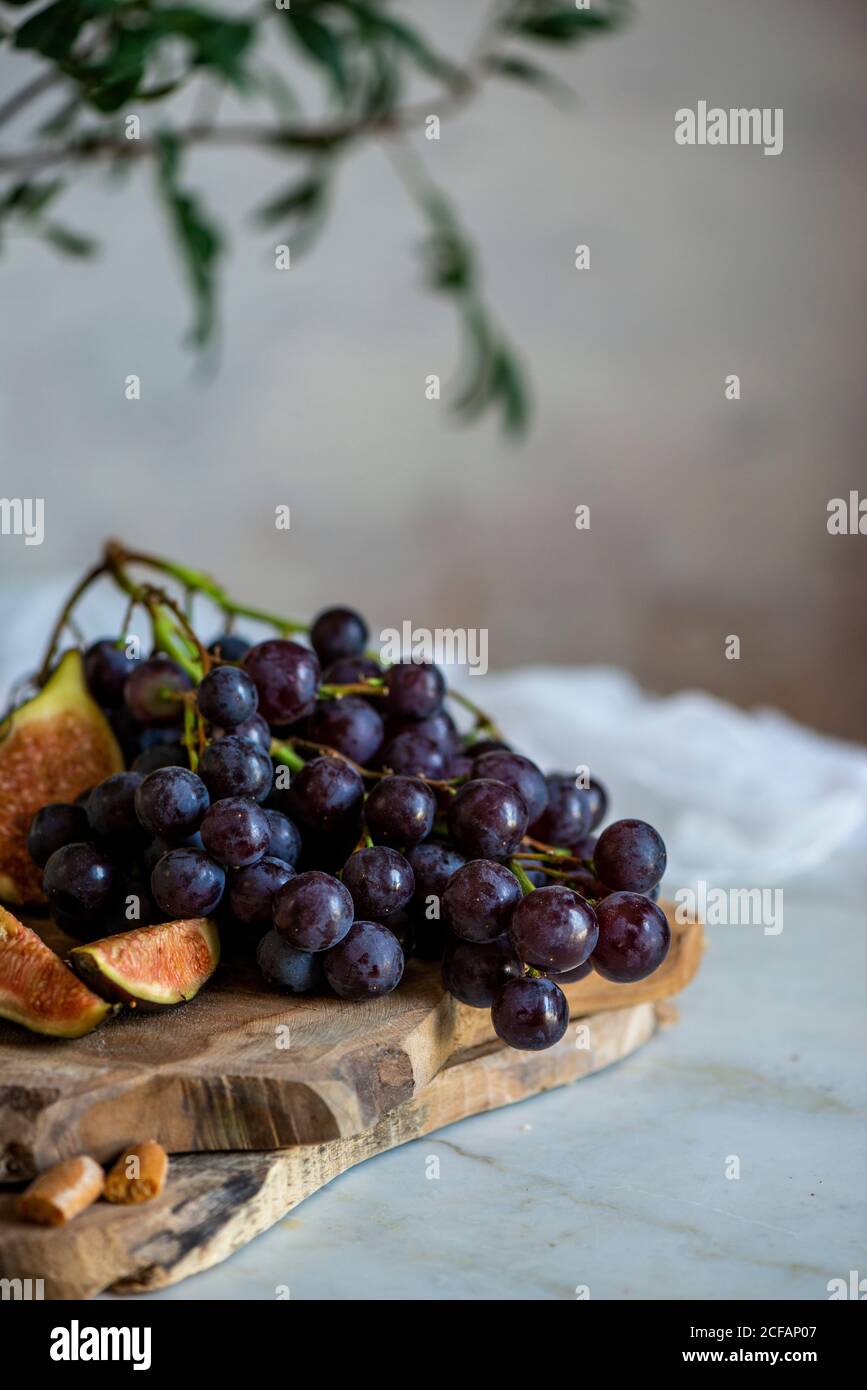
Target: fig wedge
39	991
51	748
151	968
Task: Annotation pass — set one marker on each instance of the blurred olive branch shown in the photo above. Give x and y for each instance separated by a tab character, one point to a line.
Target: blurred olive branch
105	59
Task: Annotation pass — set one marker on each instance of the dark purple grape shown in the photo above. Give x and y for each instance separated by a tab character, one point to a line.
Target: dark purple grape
282	965
127	730
415	689
286	676
155	734
517	772
460	766
584	848
79	879
554	929
350	725
252	890
235	832
634	937
536	872
160	755
54	826
570	977
433	864
630	855
479	900
414	755
487	819
475	974
350	670
231	766
170	802
487	745
587	884
368	962
438	726
403	926
566	818
150	855
227	697
229	647
111	806
153	852
325	794
106	667
337	633
313	911
284	841
380	880
152	689
187	883
596	803
400	811
253	730
530	1013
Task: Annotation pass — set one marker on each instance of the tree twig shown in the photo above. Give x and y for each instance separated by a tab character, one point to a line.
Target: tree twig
43	82
301	137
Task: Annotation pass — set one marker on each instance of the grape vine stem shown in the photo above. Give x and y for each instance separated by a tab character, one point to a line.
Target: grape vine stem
527	884
96	572
174	633
279	747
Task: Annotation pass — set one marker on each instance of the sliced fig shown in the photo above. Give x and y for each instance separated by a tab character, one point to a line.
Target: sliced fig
151	967
39	991
51	749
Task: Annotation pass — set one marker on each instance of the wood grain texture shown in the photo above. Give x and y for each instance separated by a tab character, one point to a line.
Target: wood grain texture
243	1067
215	1203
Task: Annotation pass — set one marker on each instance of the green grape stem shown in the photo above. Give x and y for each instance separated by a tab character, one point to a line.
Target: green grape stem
337	692
285	754
484	723
96	572
376	774
197	582
173	631
194	731
527	885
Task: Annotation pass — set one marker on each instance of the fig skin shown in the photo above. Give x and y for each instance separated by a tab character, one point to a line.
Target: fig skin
151	968
38	991
51	749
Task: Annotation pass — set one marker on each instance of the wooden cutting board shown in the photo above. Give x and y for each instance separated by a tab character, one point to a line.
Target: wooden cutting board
215	1203
246	1067
267	1098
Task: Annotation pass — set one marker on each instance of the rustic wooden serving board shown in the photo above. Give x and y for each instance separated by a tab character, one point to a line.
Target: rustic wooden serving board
215	1203
268	1098
246	1067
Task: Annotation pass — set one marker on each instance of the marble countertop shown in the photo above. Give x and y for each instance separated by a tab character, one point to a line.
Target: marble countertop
619	1182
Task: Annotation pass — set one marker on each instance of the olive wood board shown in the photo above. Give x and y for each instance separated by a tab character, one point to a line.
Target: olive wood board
244	1067
215	1203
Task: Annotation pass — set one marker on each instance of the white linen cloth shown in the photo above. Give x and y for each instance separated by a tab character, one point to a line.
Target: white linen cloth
746	798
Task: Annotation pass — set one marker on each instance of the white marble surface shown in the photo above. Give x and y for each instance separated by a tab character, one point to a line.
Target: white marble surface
618	1181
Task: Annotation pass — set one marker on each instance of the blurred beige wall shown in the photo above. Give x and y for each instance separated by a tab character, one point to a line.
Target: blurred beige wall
708	517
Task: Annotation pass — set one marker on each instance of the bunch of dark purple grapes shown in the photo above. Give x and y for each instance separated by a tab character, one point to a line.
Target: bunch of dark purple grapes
338	824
